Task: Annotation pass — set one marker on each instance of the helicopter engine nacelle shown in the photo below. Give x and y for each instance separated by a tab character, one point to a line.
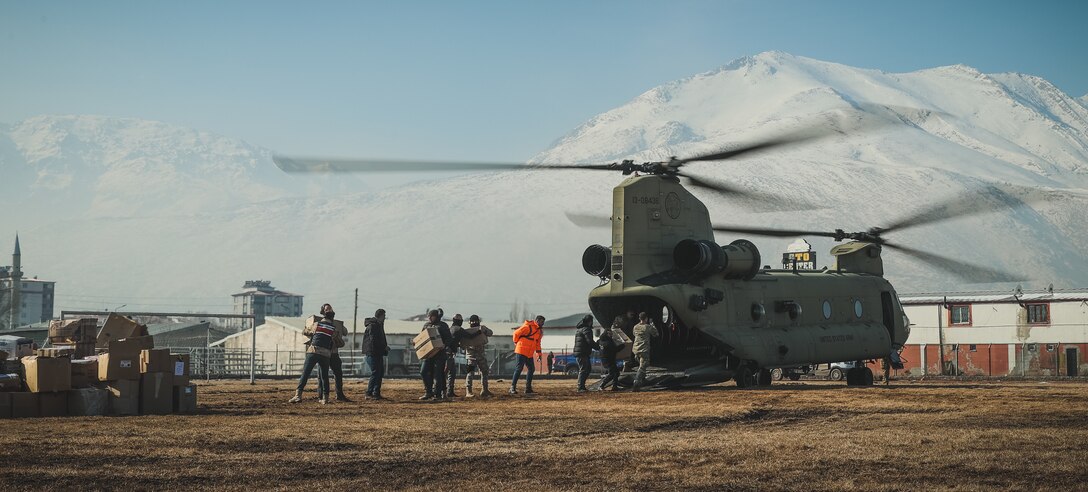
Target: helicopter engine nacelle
701	258
597	260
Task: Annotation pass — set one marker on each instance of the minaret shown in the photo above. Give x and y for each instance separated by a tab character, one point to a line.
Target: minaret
16	276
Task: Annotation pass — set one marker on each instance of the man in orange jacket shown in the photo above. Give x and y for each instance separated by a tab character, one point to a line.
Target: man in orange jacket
527	342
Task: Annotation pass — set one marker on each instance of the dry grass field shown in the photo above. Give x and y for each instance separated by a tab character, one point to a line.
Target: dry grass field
808	435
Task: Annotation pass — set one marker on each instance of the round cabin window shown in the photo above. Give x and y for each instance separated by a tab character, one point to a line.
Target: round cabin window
857	308
827	309
758	311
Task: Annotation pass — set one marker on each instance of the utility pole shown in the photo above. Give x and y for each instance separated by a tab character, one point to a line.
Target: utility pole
354	322
253	354
940	332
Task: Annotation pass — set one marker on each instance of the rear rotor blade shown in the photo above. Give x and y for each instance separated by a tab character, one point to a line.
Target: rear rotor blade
319	165
759	231
964	271
962	206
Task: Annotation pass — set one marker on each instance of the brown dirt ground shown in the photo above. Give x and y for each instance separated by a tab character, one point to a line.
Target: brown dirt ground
808	435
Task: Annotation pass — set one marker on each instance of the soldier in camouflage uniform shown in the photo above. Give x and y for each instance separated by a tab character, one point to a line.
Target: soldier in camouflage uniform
475	345
644	331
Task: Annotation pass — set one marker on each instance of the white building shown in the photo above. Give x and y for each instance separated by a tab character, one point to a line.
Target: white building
260	299
33	298
1042	333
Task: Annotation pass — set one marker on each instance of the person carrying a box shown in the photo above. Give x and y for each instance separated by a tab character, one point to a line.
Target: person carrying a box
584	345
610	346
323	337
527	342
475	342
375	347
644	331
335	364
433	369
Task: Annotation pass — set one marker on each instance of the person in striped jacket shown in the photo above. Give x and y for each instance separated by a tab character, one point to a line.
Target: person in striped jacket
323	338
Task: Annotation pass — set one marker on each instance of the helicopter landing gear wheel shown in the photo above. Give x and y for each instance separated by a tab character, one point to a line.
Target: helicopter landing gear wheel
776	374
746	377
859	376
763	378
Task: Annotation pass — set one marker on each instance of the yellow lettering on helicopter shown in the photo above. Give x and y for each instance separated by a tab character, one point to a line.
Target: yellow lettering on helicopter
799	260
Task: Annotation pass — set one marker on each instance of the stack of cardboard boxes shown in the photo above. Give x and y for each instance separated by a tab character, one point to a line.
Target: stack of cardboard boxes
128	376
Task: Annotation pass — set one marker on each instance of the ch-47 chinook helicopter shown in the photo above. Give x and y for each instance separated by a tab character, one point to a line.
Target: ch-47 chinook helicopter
721	314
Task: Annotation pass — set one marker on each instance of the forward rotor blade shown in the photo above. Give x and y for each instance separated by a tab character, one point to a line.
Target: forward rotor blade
962	206
755	147
964	271
318	165
759	231
584	220
755	200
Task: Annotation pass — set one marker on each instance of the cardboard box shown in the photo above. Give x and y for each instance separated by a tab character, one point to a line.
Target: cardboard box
118	327
84	349
185	399
56	351
84	402
156	360
5	405
123	359
156	393
24	404
45	374
181	369
428	343
84	372
73	330
628	345
53	404
124	397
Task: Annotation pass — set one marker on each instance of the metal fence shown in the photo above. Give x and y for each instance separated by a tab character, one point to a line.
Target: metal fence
219	362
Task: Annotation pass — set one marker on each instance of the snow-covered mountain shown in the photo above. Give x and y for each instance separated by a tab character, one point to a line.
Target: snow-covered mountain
168	217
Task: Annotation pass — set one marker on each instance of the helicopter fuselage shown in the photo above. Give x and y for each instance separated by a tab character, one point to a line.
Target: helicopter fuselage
718	307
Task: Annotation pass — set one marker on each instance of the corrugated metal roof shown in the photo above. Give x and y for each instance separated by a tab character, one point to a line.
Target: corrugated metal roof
1045	295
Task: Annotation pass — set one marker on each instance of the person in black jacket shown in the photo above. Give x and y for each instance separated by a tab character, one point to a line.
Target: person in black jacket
433	369
610	346
584	345
375	348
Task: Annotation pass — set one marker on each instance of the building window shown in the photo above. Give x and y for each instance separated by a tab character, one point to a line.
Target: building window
973	347
960	315
1050	347
1039	314
1032	347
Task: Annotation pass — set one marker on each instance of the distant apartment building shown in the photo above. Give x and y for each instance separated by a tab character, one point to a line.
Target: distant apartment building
260	299
23	301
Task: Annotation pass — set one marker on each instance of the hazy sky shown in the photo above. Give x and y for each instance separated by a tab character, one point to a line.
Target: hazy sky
476	79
